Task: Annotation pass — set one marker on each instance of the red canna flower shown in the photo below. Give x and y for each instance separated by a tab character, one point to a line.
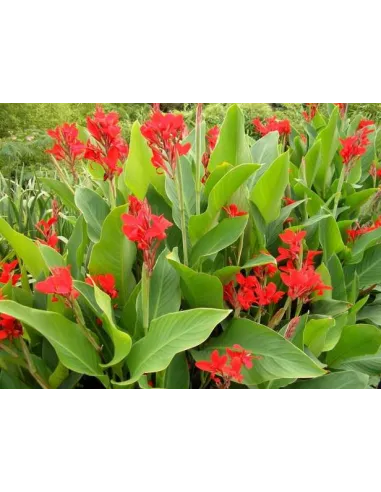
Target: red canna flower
59	284
354	147
7	273
289	201
145	229
46	229
303	283
295	242
311	112
212	139
106	283
342	107
283	127
108	148
358	231
10	328
232	211
365	123
164	134
239	353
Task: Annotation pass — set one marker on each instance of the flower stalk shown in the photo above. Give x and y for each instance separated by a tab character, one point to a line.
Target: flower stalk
146	288
198	157
180	194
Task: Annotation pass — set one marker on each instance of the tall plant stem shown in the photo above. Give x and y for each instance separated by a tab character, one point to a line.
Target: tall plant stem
339	192
180	194
31	367
113	193
198	157
240	248
146	288
61	174
81	322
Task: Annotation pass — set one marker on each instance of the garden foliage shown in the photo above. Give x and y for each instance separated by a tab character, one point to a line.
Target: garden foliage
195	256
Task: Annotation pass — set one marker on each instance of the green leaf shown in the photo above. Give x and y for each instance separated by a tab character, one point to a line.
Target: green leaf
340	380
200	290
25	249
73	348
265	150
368	271
312	163
115	254
61	190
362	244
280	358
368	364
76	247
329	138
169	336
360	198
218	198
122	341
177	374
139	171
356	340
337	278
51	257
94	209
330	238
276	179
315	334
215	177
225	234
232	146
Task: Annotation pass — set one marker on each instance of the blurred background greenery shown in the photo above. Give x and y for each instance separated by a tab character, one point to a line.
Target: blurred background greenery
23	126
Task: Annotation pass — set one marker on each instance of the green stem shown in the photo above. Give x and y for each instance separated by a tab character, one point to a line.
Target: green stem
60	374
112	194
146	287
61	174
180	194
240	249
31	367
198	157
299	308
81	322
339	192
9	351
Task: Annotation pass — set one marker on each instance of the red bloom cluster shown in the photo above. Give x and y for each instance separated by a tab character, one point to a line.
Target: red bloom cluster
233	211
67	146
300	276
59	284
10	328
227	368
164	134
342	107
355	146
252	292
146	229
283	127
365	124
109	147
311	112
7	273
288	201
46	229
354	234
106	283
212	139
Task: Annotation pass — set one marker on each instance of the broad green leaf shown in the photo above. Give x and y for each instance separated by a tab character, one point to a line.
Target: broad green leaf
10	381
340	380
168	336
139	171
356	340
362	244
337	278
371	313
315	334
280	358
129	313
315	202
177	374
73	348
360	198
312	163
232	146
61	190
330	238
328	307
265	150
329	138
51	257
200	290
226	274
368	271
269	190
122	341
368	364
218	198
76	247
25	249
115	254
223	235
94	209
215	177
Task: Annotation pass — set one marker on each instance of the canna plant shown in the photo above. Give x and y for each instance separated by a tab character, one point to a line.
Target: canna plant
195	258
